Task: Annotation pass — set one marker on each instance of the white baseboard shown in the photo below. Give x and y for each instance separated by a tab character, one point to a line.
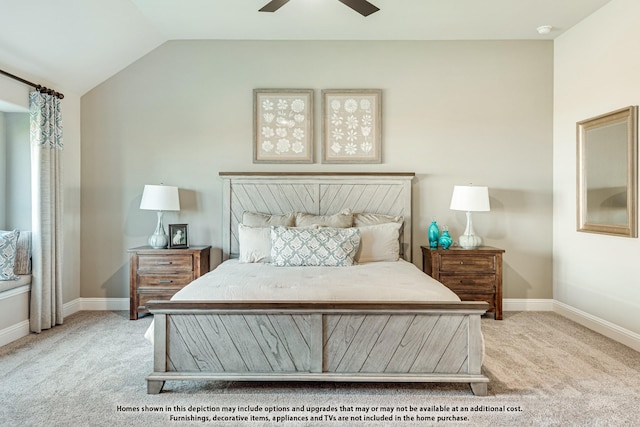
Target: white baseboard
606	328
14	332
513	304
96	304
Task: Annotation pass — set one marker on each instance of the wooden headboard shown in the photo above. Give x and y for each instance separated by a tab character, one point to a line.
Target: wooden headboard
317	193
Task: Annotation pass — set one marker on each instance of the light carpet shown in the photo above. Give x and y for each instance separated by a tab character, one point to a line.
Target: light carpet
544	370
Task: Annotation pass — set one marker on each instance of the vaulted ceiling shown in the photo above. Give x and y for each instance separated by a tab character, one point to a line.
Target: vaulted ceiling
78	44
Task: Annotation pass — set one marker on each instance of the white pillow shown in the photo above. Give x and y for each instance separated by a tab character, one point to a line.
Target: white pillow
331	247
365	218
379	242
342	219
258	219
255	244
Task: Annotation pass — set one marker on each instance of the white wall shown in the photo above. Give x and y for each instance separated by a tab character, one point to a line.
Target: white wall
453	112
597	70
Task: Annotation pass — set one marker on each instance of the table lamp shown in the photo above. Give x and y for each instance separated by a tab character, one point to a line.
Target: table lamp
160	198
470	198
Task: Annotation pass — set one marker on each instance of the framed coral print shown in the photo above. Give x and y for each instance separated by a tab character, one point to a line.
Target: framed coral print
351	126
283	126
178	236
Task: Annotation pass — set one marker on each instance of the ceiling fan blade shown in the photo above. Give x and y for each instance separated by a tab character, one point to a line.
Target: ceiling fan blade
273	5
363	7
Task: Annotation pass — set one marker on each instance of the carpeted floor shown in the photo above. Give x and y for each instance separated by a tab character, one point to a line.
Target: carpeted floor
544	369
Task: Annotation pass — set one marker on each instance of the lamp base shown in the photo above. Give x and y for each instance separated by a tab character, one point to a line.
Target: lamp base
469	241
159	239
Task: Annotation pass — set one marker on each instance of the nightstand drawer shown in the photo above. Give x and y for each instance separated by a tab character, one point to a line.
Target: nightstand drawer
467	263
477	282
165	262
165	280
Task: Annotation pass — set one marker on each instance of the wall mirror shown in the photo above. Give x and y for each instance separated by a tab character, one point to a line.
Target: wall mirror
608	173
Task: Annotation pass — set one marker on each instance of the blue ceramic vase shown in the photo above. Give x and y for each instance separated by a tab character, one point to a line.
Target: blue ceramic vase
434	235
445	240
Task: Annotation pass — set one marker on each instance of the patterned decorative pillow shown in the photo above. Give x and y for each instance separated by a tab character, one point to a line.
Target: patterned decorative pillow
331	247
8	242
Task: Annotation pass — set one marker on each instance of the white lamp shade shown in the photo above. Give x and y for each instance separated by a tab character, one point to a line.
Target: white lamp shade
470	198
160	198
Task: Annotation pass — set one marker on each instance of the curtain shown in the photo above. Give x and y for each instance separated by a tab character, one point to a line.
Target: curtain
46	194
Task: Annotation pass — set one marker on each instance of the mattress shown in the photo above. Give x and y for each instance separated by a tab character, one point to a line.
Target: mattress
375	281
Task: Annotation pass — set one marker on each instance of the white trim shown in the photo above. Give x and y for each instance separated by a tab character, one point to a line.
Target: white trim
604	327
14	332
96	304
523	304
71	307
15	291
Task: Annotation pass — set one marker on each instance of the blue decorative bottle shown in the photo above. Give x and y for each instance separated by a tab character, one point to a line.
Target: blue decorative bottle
445	240
434	234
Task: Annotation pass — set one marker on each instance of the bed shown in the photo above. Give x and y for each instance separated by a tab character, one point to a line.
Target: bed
383	321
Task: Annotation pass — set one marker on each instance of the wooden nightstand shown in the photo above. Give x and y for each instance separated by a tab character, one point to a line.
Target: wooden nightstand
473	274
157	274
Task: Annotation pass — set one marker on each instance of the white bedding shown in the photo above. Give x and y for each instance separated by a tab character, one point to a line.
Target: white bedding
376	281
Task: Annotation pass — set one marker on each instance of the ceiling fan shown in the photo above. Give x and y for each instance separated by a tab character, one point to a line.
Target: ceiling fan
363	7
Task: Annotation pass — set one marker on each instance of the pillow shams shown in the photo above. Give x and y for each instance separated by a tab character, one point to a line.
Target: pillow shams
362	219
331	247
8	242
342	219
255	244
379	242
257	219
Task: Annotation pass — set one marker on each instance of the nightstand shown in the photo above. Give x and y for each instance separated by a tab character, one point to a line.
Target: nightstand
473	274
157	274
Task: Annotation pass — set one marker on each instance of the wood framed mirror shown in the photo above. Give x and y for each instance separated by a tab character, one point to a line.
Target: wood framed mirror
607	157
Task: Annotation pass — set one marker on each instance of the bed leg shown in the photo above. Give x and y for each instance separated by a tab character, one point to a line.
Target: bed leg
479	389
154	386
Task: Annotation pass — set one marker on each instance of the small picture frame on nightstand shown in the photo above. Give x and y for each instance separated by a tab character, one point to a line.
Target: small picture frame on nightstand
178	236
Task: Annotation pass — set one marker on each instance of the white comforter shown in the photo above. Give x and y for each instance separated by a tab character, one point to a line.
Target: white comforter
376	281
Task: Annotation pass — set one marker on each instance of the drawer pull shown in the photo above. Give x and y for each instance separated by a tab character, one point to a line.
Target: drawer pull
467	282
165	281
164	263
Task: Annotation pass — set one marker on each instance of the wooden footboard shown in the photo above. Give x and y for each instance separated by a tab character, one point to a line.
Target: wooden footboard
321	341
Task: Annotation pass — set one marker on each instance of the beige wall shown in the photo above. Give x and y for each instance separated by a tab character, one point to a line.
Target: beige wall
596	71
453	112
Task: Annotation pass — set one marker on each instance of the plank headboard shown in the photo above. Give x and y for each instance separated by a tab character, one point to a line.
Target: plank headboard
317	193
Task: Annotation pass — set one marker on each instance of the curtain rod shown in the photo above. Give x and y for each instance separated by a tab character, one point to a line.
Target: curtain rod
39	88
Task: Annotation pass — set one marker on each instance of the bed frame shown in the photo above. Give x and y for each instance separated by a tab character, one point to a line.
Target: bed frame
317	341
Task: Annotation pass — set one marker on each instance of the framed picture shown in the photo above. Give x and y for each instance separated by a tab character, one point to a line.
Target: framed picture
178	236
283	126
352	126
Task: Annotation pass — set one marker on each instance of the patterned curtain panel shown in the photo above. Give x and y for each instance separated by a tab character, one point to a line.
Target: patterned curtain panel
46	193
